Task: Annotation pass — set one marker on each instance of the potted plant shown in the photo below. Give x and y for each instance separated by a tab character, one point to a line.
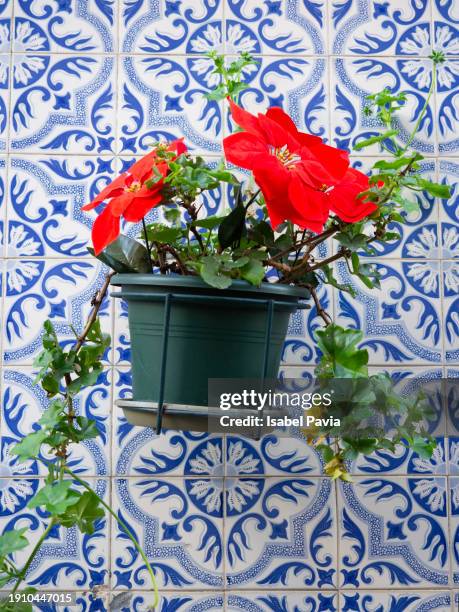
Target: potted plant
233	277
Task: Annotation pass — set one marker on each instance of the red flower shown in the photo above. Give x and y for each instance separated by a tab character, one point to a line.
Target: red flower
296	172
343	200
129	196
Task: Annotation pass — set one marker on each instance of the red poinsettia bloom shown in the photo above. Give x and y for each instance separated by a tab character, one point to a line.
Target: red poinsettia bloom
129	197
296	172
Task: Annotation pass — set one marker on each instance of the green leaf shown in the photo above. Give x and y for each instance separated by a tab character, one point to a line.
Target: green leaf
232	228
438	190
84	513
341	357
172	214
353	243
209	222
52	414
158	232
253	272
211	273
55	498
125	255
13	540
398	163
29	447
374	139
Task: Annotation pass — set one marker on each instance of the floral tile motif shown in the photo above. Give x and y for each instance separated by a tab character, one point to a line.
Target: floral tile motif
181	535
61	103
36	290
138	451
44	204
273	27
280	533
22	404
83	26
180	602
401	322
67	558
408	601
393	532
354	79
291	602
384	28
163	97
273	455
420	235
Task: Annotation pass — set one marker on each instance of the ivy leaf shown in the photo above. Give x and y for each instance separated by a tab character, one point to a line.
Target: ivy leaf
341	356
12	541
84	513
52	414
55	498
29	447
125	255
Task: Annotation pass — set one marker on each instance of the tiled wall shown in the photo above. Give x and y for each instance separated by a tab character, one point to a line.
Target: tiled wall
85	86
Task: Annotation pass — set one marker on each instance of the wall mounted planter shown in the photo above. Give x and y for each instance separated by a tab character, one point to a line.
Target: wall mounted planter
184	332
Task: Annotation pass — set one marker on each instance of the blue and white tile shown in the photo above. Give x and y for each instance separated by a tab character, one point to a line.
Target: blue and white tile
279	600
162	98
22	405
63	103
278	26
3	198
408	601
67	558
360	27
393	532
353	79
419	235
401	322
173	26
5	73
83	26
297	84
280	533
273	455
45	199
450	277
300	348
138	451
36	290
180	602
180	531
454	504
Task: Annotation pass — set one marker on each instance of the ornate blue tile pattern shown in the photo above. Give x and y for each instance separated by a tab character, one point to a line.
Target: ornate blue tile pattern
229	523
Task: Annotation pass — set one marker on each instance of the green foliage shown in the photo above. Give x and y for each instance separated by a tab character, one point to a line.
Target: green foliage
358	398
231	75
125	255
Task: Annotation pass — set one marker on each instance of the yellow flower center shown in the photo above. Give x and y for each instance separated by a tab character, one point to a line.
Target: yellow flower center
134	187
285	156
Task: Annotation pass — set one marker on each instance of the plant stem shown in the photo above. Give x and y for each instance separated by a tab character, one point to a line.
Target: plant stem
124	527
32	556
147	244
96	304
432	87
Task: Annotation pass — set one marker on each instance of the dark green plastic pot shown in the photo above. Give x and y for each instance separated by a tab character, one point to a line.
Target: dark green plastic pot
208	337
